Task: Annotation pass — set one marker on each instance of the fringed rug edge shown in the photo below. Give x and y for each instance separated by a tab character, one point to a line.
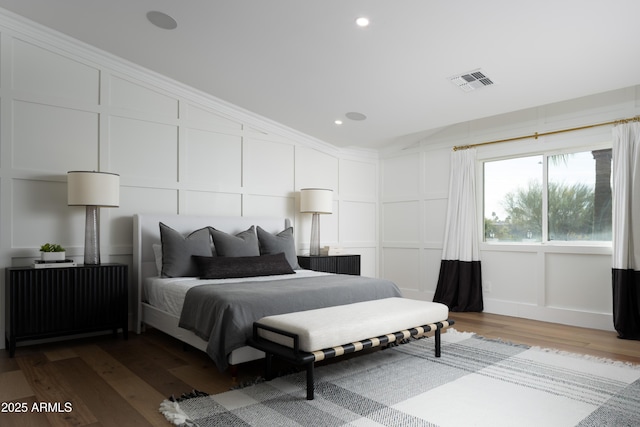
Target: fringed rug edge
171	410
551	350
604	360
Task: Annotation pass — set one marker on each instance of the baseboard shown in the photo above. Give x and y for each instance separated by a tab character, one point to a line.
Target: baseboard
563	316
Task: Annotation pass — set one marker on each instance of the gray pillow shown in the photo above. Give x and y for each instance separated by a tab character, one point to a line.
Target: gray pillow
282	242
220	267
242	244
177	251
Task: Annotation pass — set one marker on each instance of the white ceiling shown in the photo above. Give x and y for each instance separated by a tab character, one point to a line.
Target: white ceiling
305	63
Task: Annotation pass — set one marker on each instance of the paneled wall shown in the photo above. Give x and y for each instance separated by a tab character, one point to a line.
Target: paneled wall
66	106
565	284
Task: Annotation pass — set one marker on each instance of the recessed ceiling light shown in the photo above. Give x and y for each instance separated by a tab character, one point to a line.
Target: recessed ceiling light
338	122
362	22
353	115
161	20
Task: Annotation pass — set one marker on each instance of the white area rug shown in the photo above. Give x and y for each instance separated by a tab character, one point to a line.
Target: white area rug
476	382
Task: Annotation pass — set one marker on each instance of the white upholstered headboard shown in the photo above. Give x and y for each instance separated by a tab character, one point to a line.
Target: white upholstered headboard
146	233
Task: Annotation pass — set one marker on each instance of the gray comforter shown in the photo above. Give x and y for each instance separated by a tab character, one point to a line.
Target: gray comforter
223	314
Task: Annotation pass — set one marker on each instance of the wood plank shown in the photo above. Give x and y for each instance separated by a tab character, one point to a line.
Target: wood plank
51	388
7	363
143	397
14	386
22	419
154	369
60	354
188	354
148	344
106	404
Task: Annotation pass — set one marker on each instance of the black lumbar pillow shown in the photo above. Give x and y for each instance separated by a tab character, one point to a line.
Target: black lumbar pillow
219	267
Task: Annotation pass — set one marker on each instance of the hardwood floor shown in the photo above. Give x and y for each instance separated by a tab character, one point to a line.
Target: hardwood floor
592	342
111	382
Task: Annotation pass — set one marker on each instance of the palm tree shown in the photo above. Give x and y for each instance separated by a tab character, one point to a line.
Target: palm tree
570	211
602	214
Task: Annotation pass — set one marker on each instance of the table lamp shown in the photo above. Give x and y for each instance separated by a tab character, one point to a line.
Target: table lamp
93	190
316	201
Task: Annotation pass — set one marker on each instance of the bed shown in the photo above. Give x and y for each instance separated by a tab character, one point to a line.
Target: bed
221	310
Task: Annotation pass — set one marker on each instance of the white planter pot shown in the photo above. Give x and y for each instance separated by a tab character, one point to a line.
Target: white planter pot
52	256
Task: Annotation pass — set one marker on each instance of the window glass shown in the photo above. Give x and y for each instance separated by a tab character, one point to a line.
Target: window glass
513	200
578	198
579	191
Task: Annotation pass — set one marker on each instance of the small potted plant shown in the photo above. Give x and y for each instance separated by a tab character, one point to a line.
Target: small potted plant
52	252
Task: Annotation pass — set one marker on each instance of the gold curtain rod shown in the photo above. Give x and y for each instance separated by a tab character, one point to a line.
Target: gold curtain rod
553	132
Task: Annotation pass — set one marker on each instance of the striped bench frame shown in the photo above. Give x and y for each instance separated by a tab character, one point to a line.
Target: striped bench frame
299	357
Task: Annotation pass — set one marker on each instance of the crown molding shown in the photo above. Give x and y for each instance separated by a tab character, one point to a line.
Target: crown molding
36	33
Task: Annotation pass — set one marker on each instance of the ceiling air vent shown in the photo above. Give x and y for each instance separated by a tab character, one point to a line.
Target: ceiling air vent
472	80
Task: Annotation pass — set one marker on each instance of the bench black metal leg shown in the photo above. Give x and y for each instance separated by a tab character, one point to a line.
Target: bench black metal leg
268	359
438	342
310	385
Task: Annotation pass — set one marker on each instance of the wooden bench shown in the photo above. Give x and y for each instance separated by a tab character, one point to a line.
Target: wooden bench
306	337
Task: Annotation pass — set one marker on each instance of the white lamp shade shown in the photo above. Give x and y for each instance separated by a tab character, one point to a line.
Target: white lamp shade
85	188
316	200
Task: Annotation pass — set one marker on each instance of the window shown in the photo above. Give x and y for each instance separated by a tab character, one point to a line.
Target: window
568	200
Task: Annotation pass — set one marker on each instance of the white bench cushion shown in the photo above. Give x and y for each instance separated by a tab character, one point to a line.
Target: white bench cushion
343	324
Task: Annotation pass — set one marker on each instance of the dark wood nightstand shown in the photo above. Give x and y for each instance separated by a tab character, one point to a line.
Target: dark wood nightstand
341	264
52	302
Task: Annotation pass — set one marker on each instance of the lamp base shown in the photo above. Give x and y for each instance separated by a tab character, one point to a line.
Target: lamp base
92	236
314	248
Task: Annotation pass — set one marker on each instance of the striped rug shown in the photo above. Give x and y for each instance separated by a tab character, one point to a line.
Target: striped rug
476	382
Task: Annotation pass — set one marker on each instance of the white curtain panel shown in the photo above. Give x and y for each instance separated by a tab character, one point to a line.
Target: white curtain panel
461	228
460	279
626	230
626	196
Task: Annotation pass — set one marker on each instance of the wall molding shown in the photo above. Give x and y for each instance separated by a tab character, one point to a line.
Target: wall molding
43	36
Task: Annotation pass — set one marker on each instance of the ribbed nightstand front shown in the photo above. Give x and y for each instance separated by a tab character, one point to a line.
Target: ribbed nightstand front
340	264
52	302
